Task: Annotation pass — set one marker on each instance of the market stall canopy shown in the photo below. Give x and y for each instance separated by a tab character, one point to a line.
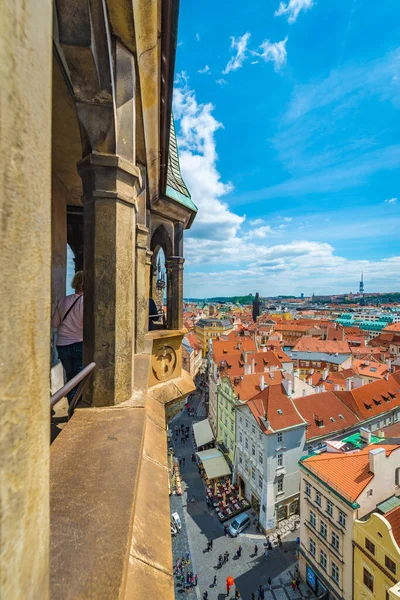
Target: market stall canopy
214	463
202	433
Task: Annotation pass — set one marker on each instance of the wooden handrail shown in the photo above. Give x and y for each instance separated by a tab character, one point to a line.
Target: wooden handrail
82	378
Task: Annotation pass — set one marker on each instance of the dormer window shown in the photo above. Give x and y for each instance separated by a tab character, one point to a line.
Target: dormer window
368	406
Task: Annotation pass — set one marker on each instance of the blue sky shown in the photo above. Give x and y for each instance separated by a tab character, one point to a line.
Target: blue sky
288	120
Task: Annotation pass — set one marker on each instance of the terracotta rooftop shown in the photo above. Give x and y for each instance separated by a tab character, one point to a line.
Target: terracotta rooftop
373	369
312	344
325	413
348	473
394	519
235	364
395	327
249	386
221	347
374	398
273	404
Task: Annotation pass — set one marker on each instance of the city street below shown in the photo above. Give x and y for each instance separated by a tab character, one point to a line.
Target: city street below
200	525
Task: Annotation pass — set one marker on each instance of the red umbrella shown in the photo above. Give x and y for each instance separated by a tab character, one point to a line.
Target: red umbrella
230	581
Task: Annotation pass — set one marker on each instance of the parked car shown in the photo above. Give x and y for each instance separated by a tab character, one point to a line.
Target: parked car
174	530
175	519
239	524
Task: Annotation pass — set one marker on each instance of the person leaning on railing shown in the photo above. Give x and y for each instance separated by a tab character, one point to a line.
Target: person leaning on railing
68	320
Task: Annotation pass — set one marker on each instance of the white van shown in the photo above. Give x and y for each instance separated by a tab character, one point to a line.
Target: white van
239	524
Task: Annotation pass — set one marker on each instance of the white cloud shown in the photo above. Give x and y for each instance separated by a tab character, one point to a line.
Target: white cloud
198	160
391	201
256	222
206	69
238	44
221	81
261	232
287	219
197	37
180	44
293	8
273	52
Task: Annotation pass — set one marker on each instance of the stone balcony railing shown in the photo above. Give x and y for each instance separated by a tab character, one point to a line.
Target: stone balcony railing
110	533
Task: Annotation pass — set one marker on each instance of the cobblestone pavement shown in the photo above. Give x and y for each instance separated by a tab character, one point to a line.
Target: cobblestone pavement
199	524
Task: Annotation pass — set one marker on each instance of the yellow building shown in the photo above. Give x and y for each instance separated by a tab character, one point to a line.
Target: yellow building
376	546
206	329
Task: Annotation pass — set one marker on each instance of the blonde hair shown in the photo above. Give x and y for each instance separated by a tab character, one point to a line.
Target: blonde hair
77	282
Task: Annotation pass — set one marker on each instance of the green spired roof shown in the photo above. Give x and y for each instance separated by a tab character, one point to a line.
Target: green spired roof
176	188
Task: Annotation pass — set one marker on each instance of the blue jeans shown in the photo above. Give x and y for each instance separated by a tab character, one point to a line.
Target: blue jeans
71	357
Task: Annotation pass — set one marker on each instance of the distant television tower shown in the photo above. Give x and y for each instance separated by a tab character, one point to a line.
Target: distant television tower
362	283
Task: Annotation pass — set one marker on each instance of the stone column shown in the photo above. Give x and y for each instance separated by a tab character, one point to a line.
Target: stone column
175	291
142	297
25	296
109	196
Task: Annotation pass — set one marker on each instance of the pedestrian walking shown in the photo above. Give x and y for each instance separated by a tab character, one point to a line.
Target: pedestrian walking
266	554
211	544
279	540
298	583
237	594
253	596
255	549
240	551
215	581
183	460
205	595
228	587
226	530
196	579
269	583
293	584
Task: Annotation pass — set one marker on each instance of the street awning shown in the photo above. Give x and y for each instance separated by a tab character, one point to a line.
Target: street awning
214	463
202	433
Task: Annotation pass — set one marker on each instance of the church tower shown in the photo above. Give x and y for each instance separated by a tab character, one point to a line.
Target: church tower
160	286
256	307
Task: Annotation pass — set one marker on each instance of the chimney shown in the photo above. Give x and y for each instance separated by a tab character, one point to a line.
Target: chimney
325	373
253	365
245	357
266	369
264	348
271	375
290	387
311	371
336	387
262	382
309	381
376	460
348	385
389	364
247	369
386	376
304	392
322	388
239	346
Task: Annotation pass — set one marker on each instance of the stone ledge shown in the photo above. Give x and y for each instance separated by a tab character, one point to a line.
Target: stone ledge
94	478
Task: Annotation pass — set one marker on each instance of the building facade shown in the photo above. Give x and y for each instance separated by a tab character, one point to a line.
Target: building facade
376	554
206	329
335	490
269	445
226	418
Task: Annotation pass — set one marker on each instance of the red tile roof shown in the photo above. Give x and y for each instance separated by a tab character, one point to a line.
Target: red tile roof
374	398
319	410
348	472
393	517
277	408
221	347
392	327
312	344
249	386
373	369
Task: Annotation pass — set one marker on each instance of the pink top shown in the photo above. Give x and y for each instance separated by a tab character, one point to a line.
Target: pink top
70	330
